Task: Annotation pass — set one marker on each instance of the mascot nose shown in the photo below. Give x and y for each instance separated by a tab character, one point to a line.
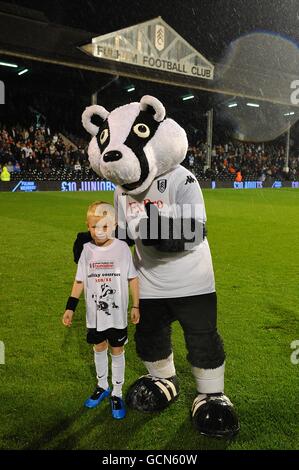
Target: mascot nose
112	156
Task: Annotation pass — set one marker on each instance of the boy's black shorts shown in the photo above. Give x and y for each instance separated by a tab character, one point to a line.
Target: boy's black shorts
114	336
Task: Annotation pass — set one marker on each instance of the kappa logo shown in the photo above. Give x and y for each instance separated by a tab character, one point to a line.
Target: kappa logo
162	185
190	179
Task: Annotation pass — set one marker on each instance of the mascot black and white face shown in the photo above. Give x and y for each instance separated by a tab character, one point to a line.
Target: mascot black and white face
135	143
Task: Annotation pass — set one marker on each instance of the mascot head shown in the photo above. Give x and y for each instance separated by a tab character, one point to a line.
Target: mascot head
134	144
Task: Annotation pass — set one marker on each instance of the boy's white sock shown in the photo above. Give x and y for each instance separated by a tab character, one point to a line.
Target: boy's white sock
101	363
118	373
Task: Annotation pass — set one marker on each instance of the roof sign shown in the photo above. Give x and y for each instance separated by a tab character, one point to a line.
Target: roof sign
153	44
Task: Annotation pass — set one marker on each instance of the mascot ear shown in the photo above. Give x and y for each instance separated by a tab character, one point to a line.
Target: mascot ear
150	101
87	115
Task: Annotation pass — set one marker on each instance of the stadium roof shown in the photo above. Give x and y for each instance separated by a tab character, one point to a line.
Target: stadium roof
37	34
35	37
210	26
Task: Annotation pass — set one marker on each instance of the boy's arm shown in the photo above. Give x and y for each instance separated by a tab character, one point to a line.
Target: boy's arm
134	289
77	289
72	303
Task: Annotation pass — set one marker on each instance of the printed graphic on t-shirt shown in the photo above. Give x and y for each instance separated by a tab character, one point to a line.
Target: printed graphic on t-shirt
103	281
105	299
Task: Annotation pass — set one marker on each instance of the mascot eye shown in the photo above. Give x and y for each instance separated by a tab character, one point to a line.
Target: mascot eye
104	136
142	130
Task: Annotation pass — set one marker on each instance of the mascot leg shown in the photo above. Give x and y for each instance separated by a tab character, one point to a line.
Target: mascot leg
209	380
160	388
161	369
212	412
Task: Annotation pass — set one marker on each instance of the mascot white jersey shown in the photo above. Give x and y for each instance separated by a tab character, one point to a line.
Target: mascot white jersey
172	274
160	208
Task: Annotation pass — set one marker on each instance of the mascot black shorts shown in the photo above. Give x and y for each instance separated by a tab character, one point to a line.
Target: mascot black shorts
115	337
197	316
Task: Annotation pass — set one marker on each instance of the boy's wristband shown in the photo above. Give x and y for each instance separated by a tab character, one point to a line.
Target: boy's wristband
72	303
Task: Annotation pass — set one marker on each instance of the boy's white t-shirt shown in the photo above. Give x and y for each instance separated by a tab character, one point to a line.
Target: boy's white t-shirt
104	272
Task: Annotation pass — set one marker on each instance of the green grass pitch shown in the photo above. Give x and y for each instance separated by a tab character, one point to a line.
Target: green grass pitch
49	371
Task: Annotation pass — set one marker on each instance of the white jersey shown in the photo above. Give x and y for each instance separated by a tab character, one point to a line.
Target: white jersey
104	272
169	275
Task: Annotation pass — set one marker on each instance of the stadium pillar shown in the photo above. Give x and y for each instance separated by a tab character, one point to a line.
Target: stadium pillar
287	150
209	138
94	98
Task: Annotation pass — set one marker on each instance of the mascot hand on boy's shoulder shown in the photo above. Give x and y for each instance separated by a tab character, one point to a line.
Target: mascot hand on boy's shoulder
160	207
82	238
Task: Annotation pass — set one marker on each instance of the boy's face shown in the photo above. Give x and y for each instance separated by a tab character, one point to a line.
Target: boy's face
101	228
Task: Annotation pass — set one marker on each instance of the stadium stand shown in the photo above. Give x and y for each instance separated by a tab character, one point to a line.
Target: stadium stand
37	153
253	161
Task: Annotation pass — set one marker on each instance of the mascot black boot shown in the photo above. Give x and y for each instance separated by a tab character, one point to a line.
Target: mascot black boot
160	208
212	412
157	390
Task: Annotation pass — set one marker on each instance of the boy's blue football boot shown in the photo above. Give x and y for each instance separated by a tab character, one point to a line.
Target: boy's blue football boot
98	395
117	407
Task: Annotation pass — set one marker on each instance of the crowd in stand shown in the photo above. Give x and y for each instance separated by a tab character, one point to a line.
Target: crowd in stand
242	161
38	153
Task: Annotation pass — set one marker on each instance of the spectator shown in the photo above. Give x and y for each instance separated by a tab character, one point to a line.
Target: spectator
77	166
5	175
10	167
238	177
17	167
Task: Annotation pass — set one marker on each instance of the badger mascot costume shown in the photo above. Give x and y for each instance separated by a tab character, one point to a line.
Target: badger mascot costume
160	208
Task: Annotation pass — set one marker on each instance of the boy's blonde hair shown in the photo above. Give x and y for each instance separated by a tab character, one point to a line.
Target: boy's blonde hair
92	209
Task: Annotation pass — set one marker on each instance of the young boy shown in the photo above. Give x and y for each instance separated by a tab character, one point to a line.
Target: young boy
104	271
